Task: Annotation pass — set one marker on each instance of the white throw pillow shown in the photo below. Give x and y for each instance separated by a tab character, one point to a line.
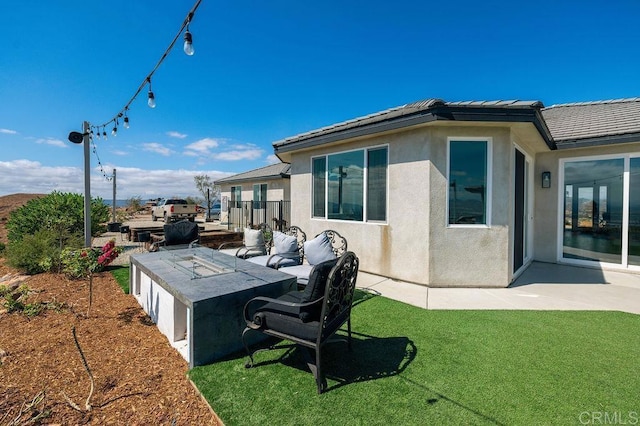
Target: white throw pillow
284	243
319	250
253	238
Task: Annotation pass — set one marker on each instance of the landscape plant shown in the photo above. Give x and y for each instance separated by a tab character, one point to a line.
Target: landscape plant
61	213
83	263
39	230
34	254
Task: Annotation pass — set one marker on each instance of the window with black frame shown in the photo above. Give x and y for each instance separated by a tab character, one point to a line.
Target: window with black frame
468	182
340	182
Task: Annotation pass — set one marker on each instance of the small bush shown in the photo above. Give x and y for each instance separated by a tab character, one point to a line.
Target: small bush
3	247
34	254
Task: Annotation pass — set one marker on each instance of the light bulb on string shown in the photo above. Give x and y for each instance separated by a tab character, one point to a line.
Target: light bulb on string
126	122
151	101
188	43
114	132
104	133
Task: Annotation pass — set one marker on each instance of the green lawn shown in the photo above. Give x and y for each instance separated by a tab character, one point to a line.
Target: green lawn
121	274
410	366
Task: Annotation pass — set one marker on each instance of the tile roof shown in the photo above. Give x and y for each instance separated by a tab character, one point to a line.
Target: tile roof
413	108
272	171
589	120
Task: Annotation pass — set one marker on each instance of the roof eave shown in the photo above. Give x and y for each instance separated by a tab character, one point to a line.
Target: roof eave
436	113
599	141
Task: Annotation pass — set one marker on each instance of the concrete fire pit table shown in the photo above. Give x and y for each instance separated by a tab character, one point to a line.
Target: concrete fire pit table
196	297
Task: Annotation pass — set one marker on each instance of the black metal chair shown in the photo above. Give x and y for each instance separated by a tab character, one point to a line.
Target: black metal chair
179	235
311	317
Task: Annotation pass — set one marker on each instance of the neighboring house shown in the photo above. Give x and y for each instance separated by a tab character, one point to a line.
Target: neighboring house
256	196
469	193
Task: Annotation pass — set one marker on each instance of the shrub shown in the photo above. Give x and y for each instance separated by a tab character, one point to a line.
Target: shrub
62	213
34	254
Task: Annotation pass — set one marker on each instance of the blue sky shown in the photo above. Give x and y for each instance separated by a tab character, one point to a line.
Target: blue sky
267	70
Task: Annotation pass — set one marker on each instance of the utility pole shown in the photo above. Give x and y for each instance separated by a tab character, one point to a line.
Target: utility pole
87	184
113	216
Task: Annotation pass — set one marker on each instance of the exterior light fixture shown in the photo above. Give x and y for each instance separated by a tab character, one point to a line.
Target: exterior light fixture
126	122
188	43
114	131
104	134
546	179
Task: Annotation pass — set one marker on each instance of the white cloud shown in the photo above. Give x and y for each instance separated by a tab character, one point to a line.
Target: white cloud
201	147
177	135
157	148
53	142
26	176
119	152
248	153
8	132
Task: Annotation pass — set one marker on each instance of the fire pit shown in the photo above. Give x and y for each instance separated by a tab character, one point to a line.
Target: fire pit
196	296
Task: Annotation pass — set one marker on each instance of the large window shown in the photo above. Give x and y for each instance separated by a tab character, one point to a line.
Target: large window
259	195
236	196
469	183
349	184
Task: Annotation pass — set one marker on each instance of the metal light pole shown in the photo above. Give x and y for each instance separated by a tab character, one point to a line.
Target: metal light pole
113	216
87	184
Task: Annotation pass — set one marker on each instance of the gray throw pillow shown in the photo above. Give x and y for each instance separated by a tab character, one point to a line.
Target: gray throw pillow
319	250
285	243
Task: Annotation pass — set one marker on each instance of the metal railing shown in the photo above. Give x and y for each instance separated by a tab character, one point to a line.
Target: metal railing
248	214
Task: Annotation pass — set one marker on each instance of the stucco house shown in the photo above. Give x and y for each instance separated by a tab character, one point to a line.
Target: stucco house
470	193
256	196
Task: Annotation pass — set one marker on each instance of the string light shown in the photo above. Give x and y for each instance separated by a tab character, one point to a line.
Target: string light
188	40
109	178
151	98
151	101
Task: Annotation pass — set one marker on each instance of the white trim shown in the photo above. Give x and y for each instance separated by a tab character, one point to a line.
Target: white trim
365	176
529	204
626	182
489	177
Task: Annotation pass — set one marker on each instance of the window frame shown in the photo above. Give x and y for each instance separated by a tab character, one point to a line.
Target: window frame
236	203
365	177
489	181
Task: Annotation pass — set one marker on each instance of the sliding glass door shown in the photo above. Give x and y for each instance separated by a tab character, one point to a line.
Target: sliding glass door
634	211
601	218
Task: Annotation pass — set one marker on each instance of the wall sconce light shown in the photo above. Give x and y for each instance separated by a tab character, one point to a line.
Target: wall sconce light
546	179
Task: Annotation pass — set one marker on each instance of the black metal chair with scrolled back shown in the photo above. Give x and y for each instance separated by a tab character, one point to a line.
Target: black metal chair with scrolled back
311	317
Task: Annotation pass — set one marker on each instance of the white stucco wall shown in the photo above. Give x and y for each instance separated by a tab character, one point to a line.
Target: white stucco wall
415	244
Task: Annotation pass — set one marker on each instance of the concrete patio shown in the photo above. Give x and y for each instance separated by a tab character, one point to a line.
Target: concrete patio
543	286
